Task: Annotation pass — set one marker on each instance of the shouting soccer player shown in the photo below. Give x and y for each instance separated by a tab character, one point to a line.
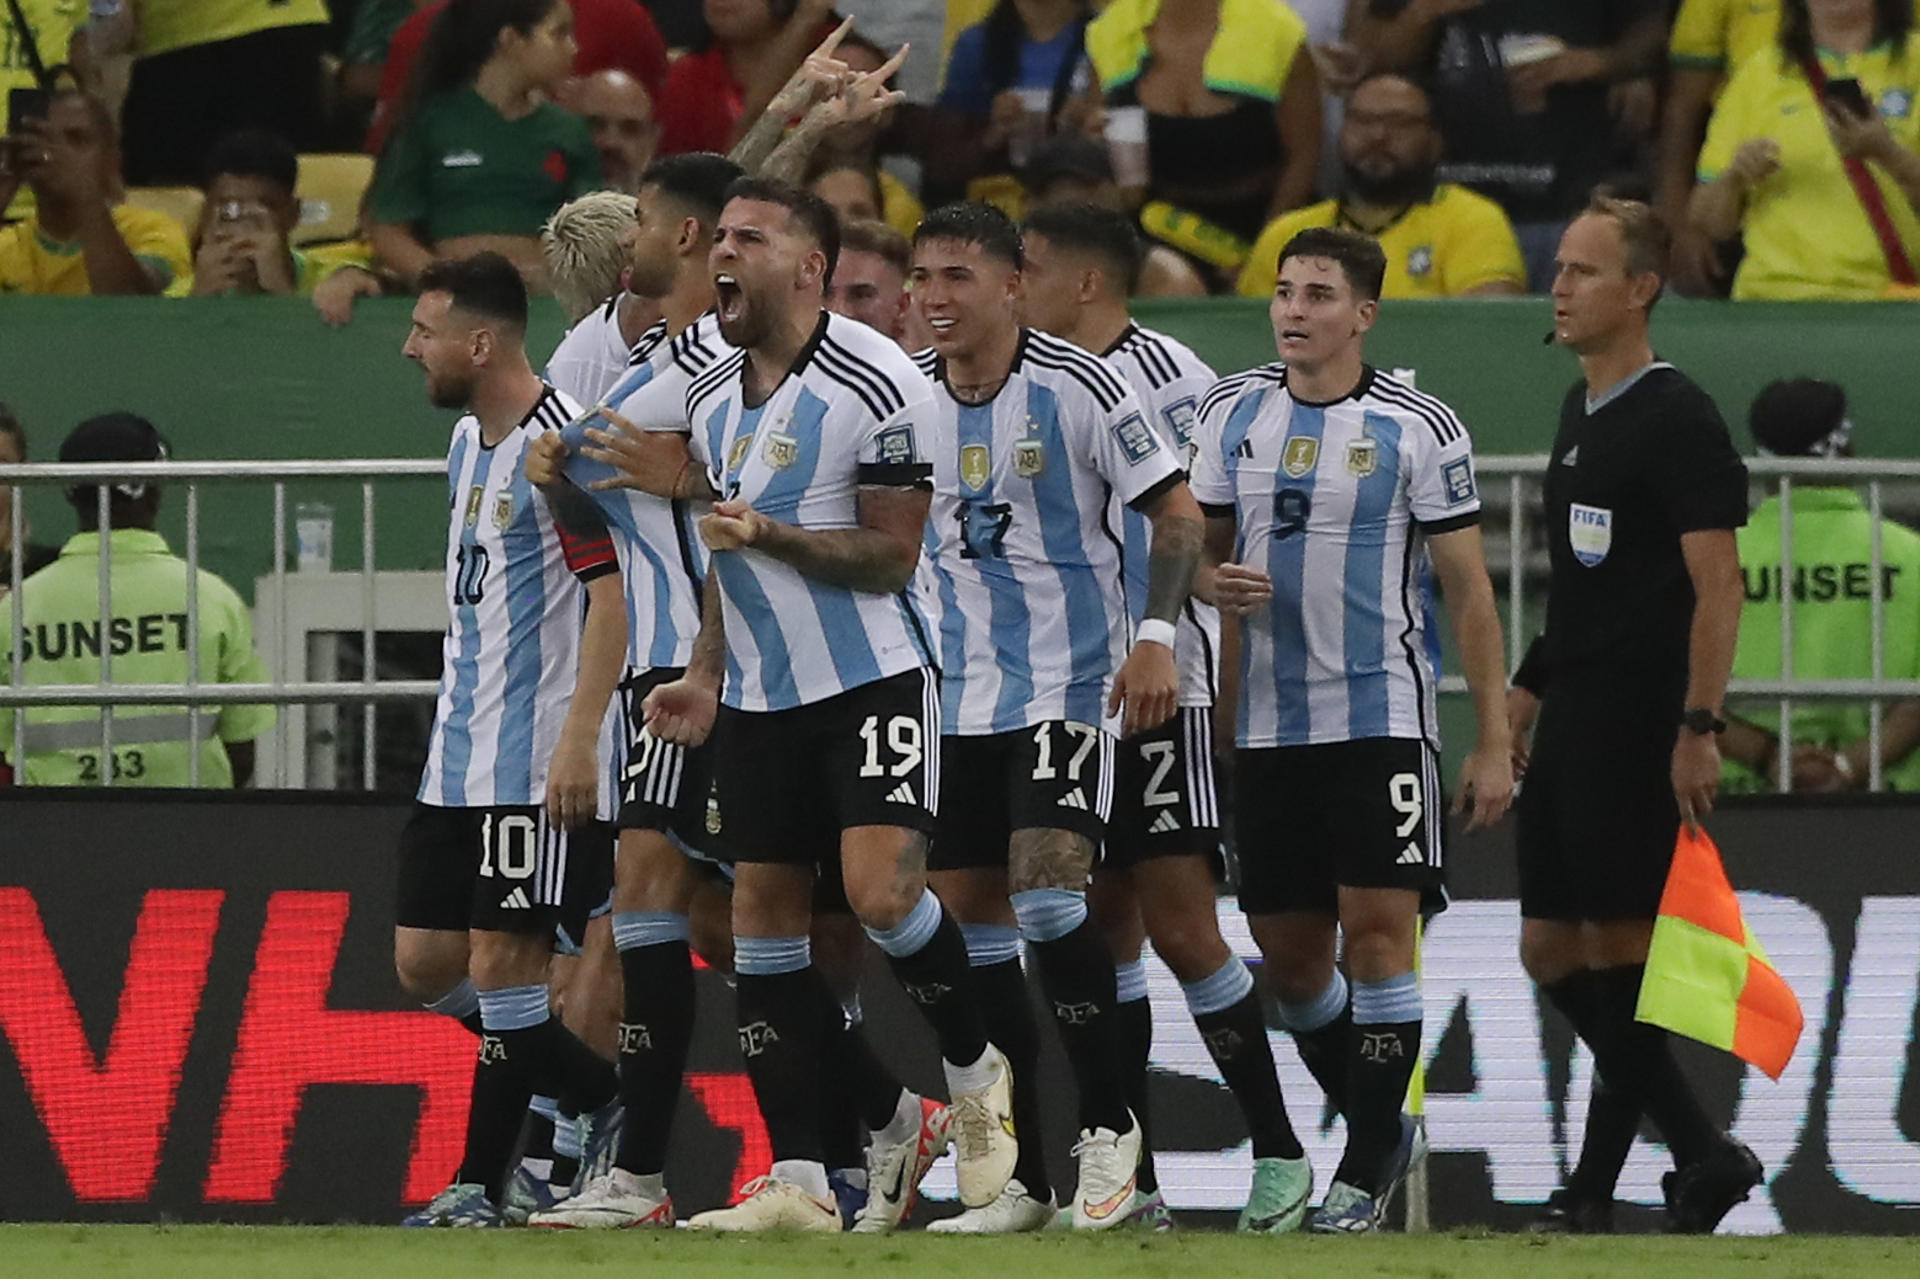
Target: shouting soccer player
1332	492
1163	842
1038	678
813	670
481	863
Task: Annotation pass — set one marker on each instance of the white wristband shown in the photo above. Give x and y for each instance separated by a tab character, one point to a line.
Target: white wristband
1154	631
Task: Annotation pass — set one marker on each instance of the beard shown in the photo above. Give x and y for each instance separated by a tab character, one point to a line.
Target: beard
1398	186
449	392
745	323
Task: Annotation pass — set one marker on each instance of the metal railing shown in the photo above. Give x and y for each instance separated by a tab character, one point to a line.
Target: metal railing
1510	482
195	694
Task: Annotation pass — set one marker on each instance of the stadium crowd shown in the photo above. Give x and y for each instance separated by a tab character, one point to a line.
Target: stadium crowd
1465	134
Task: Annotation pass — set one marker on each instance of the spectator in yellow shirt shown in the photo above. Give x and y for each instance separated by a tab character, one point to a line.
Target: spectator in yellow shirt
82	239
241	244
1710	38
1440	240
1775	164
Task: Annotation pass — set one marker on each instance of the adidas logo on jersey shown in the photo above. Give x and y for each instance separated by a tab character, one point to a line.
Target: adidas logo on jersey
1164	824
516	900
902	794
1410	856
1074	798
1572	458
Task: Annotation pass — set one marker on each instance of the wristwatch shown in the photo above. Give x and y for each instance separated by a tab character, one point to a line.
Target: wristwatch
1701	720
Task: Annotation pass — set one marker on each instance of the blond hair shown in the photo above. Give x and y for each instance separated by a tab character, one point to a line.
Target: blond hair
1643	233
585	247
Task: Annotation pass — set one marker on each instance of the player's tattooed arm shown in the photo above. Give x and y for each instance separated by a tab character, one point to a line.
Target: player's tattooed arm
878	557
682	711
708	660
1179	534
1039	858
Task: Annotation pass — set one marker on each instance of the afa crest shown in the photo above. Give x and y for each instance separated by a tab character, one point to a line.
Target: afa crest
1029	458
1363	457
976	466
1299	456
780	450
503	511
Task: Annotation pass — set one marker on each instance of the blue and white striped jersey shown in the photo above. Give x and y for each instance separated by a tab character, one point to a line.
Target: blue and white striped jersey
513	641
1169	379
1335	501
854	411
662	560
591	356
1033	616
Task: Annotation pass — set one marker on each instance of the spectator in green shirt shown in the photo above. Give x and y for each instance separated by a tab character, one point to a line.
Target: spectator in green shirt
480	155
1832	587
144	637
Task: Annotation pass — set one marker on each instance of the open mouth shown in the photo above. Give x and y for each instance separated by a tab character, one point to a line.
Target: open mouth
728	301
1293	335
942	325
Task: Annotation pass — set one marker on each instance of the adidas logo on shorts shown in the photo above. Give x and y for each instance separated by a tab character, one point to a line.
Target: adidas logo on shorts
1074	798
516	900
1164	824
1410	856
902	794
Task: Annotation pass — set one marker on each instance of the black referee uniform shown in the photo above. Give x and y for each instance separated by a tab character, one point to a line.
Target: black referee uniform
1629	474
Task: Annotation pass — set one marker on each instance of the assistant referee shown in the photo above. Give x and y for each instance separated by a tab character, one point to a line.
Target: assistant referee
1643	494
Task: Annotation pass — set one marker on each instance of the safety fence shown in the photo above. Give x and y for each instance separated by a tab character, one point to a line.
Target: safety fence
297	614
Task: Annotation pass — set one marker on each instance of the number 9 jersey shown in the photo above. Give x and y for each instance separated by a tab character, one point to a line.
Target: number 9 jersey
515	609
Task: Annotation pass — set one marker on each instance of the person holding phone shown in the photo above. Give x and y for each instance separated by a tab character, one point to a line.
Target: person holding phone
1813	155
241	243
82	238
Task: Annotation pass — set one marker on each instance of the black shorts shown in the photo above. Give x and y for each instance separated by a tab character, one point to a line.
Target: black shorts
1596	818
1164	802
788	782
500	869
1310	820
588	891
1058	775
663	786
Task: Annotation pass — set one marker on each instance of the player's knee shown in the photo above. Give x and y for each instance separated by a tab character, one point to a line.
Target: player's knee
1191	947
426	969
503	960
651	874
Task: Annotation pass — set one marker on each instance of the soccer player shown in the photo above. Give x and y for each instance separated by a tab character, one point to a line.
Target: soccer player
813	669
1163	841
1031	438
1334	493
1643	493
481	861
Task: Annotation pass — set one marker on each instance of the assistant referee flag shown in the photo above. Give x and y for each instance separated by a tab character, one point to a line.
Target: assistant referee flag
1707	977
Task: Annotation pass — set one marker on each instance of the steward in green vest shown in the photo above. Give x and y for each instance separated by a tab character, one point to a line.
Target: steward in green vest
144	640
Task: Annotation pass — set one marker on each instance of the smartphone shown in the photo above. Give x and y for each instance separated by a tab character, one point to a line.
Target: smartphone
1848	94
26	104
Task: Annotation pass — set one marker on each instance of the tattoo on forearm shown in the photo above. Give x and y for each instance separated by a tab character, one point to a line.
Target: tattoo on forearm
709	655
1042	858
1175	557
857	559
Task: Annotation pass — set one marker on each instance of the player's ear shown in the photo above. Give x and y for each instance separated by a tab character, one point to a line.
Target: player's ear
481	344
1366	313
689	242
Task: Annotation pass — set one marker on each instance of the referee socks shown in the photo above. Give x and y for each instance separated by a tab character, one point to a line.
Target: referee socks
656	1030
929	959
1384	1047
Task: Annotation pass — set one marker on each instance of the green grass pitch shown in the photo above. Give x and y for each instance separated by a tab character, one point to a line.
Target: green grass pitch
300	1252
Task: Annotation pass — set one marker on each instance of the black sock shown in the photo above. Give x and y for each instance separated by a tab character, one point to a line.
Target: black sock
579	1078
1324	1051
782	1016
1613	1116
1076	973
1004	1001
1236	1039
1385	1045
536	1134
472	1022
1135	1018
656	1028
502	1087
936	977
872	1091
1638	1058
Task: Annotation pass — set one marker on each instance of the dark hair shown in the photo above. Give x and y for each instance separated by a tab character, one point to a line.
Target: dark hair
253	153
1643	231
97	110
806	211
971	222
1360	256
463	37
1413	78
1092	228
824	165
1003	35
11	428
864	235
697	181
485	284
1790	416
1892	21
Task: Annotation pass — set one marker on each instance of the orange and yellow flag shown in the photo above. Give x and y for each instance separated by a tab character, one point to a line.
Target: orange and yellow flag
1707	977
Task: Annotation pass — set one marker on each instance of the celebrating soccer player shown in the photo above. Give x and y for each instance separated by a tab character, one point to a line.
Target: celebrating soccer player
1163	842
1330	490
1032	435
481	864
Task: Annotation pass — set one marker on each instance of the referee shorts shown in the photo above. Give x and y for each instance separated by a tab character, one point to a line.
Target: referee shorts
1596	818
